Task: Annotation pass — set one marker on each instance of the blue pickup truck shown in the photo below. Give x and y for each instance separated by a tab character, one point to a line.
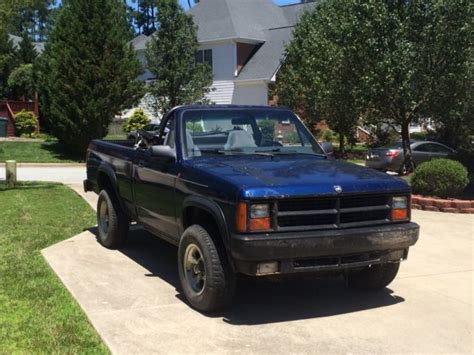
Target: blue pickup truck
248	190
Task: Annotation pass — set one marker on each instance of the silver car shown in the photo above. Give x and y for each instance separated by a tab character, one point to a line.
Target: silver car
390	157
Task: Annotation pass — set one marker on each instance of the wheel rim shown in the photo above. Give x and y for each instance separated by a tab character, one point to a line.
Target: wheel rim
104	217
194	268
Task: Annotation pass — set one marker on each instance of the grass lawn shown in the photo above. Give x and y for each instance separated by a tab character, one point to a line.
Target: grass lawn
37	313
37	152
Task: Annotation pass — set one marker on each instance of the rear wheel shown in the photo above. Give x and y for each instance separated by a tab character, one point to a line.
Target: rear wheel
112	222
207	281
374	277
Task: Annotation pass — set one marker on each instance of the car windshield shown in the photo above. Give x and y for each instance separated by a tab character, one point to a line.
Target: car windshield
256	132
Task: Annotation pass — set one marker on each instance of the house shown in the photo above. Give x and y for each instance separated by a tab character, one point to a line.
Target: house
244	42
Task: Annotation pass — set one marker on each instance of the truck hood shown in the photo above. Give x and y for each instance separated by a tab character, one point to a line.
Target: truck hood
295	175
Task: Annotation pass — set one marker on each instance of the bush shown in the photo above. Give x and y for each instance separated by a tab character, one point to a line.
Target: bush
25	123
440	177
138	120
419	136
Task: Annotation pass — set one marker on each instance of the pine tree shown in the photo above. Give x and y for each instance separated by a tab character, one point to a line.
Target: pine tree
26	50
171	57
8	61
88	71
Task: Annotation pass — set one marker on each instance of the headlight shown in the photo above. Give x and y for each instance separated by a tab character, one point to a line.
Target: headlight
259	211
399	202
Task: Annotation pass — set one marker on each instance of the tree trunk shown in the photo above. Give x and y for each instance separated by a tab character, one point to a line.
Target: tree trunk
342	148
407	165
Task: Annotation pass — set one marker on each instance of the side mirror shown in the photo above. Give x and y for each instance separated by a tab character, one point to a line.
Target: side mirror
328	148
164	152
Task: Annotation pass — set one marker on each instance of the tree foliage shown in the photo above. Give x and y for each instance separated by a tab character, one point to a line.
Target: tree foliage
21	83
170	55
26	50
383	61
8	61
138	120
88	72
33	18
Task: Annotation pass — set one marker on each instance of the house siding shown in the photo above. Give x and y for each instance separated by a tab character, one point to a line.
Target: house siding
250	94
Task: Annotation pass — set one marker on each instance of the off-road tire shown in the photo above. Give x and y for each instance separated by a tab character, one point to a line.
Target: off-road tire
118	223
375	277
219	287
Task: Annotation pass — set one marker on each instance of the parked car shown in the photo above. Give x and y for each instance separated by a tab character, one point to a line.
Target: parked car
151	128
239	194
391	157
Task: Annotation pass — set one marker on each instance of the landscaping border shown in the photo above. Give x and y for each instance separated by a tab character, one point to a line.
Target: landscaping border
452	205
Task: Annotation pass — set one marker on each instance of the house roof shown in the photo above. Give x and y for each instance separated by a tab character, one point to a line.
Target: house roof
266	61
139	42
257	21
236	19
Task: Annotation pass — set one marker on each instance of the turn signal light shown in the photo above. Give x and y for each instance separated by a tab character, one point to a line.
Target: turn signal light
399	214
241	217
260	224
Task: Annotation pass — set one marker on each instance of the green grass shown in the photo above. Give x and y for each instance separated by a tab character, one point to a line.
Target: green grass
37	152
37	314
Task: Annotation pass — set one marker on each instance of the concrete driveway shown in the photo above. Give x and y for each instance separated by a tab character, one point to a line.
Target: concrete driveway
132	298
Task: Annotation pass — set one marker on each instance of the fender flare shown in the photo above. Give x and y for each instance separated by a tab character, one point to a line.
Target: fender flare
216	212
107	170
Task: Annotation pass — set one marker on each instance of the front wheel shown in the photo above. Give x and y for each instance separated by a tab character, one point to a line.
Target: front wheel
374	277
207	281
112	222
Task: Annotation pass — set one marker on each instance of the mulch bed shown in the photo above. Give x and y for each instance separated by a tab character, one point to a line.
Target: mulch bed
430	203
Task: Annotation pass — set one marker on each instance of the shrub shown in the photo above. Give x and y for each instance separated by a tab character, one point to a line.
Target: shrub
138	120
419	136
25	123
329	136
440	177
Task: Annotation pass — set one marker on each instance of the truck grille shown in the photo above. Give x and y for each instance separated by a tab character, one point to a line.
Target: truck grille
332	212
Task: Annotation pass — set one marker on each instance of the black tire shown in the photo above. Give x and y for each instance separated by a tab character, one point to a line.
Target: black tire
112	232
374	277
218	288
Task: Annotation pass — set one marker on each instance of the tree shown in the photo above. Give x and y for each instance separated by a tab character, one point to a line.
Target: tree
32	17
26	50
88	72
320	73
21	83
413	71
8	61
170	56
386	61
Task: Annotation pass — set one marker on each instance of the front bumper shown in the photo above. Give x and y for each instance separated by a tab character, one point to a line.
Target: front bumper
323	250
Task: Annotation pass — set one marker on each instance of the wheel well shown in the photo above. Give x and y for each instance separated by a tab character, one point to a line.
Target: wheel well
195	215
105	183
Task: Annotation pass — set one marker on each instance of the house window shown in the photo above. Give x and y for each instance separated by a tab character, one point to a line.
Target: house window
204	56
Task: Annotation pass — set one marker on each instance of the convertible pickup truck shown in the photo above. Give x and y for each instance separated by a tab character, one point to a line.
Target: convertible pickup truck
248	190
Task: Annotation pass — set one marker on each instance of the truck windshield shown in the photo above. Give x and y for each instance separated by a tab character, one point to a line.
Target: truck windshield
262	132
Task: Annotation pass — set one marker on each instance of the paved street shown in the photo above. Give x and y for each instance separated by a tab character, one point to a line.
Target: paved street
132	298
48	172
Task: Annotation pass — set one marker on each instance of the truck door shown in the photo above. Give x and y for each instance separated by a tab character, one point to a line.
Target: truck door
154	186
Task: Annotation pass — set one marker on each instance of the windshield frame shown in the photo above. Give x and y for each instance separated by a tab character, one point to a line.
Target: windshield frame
299	125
